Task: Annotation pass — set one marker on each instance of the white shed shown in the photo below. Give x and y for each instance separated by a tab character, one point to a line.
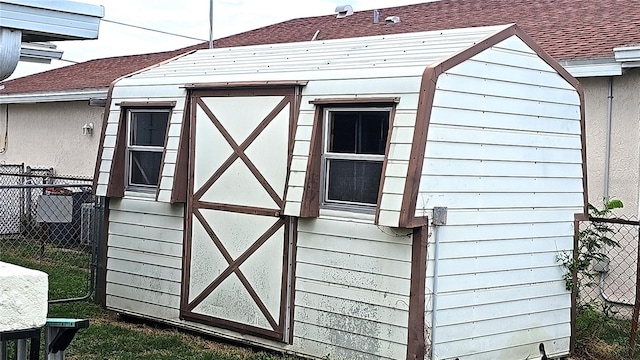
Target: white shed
283	195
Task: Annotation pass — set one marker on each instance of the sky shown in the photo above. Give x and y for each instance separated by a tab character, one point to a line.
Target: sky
185	17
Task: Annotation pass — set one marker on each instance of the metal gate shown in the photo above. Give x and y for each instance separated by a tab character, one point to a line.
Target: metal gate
237	271
48	223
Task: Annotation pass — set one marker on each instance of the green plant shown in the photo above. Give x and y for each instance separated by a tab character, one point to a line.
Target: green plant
591	241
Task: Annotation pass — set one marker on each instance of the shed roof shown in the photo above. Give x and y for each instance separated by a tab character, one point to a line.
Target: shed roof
404	54
566	29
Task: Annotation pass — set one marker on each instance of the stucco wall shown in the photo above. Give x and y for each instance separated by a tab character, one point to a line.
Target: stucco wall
50	135
624	157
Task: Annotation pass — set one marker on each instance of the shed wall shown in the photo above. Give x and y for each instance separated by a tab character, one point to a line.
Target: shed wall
504	155
144	257
352	280
352	289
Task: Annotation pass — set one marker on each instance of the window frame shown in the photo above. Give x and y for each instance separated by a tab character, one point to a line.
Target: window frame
327	156
130	148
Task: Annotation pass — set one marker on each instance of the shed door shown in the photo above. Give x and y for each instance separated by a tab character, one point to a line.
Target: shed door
238	246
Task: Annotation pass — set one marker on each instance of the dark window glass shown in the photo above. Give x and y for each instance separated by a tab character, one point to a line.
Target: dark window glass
148	128
354	180
145	167
358	132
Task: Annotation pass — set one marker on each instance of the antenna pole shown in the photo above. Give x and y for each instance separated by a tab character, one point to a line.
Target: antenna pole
210	24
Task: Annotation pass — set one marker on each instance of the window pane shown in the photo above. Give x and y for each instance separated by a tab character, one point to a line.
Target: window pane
148	128
358	132
354	181
145	167
343	132
374	127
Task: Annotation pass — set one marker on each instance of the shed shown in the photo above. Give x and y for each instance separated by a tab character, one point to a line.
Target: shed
283	195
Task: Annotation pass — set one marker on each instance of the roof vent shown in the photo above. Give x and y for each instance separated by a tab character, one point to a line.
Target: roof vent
343	11
392	19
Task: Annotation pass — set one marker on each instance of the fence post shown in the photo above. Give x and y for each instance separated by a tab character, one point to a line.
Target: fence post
574	290
636	306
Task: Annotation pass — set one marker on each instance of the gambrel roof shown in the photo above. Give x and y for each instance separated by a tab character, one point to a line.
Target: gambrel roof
568	30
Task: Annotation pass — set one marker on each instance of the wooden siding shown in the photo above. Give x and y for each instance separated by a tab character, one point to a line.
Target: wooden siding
352	289
504	155
406	89
352	284
144	256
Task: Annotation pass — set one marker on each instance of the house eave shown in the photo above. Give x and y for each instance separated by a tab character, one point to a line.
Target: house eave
58	96
583	68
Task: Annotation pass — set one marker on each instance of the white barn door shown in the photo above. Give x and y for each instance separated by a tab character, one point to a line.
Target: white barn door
238	247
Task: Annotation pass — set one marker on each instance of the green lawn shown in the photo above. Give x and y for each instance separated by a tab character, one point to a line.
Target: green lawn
108	336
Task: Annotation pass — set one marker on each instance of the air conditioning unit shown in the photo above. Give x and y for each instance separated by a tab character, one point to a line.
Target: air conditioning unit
87	213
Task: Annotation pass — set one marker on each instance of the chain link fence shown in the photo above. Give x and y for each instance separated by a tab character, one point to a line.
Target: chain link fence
47	222
614	287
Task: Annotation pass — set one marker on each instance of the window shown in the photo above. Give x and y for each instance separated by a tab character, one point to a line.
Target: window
146	139
354	151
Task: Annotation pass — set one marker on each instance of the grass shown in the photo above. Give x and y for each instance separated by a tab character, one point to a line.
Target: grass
601	336
109	336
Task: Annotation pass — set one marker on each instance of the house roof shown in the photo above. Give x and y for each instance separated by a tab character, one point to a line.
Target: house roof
566	29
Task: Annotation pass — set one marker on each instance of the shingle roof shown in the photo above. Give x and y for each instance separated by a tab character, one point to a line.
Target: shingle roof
566	29
91	74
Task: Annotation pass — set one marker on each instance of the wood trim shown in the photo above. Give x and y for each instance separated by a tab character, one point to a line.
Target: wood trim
101	275
580	217
231	325
392	115
188	217
310	206
415	327
245	84
147	104
355	101
285	300
236	208
292	277
425	103
418	147
285	274
180	184
244	92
